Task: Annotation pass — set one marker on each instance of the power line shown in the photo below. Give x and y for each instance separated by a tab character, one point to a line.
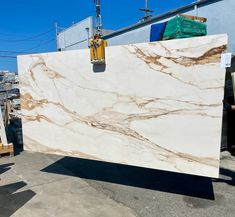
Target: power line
29	49
28	39
10	57
39	45
11	52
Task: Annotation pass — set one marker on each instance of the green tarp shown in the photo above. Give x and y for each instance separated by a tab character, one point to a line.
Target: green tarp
181	27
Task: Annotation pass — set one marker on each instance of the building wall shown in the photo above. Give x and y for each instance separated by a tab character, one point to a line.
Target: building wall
138	35
221	19
77	36
218	12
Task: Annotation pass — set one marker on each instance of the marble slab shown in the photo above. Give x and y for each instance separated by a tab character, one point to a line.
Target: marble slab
154	105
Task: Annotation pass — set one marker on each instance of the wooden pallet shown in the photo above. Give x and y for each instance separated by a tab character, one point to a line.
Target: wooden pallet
7	150
200	19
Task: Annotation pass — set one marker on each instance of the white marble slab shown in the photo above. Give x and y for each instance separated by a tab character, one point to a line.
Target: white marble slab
155	105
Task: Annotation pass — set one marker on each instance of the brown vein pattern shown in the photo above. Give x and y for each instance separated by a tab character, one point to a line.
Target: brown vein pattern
108	118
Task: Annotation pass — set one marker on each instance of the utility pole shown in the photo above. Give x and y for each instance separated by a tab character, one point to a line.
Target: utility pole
196	8
146	8
147	11
56	35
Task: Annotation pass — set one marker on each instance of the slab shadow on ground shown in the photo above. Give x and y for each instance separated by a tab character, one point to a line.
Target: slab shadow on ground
176	183
229	177
10	199
5	167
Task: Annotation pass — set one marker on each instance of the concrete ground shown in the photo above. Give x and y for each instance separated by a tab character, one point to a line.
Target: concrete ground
40	185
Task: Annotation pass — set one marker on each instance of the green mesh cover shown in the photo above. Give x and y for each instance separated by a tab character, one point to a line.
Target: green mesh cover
181	27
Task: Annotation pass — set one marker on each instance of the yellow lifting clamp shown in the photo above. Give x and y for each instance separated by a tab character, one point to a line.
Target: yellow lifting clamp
97	50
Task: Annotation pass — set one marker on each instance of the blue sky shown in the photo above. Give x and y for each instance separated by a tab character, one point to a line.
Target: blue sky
23	19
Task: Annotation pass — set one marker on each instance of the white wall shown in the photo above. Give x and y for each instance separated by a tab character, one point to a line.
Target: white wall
77	36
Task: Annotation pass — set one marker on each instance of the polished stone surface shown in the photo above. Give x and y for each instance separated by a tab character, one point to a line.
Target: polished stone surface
155	105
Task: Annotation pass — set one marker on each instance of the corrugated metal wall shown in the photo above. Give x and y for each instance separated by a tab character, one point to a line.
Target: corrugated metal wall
77	36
